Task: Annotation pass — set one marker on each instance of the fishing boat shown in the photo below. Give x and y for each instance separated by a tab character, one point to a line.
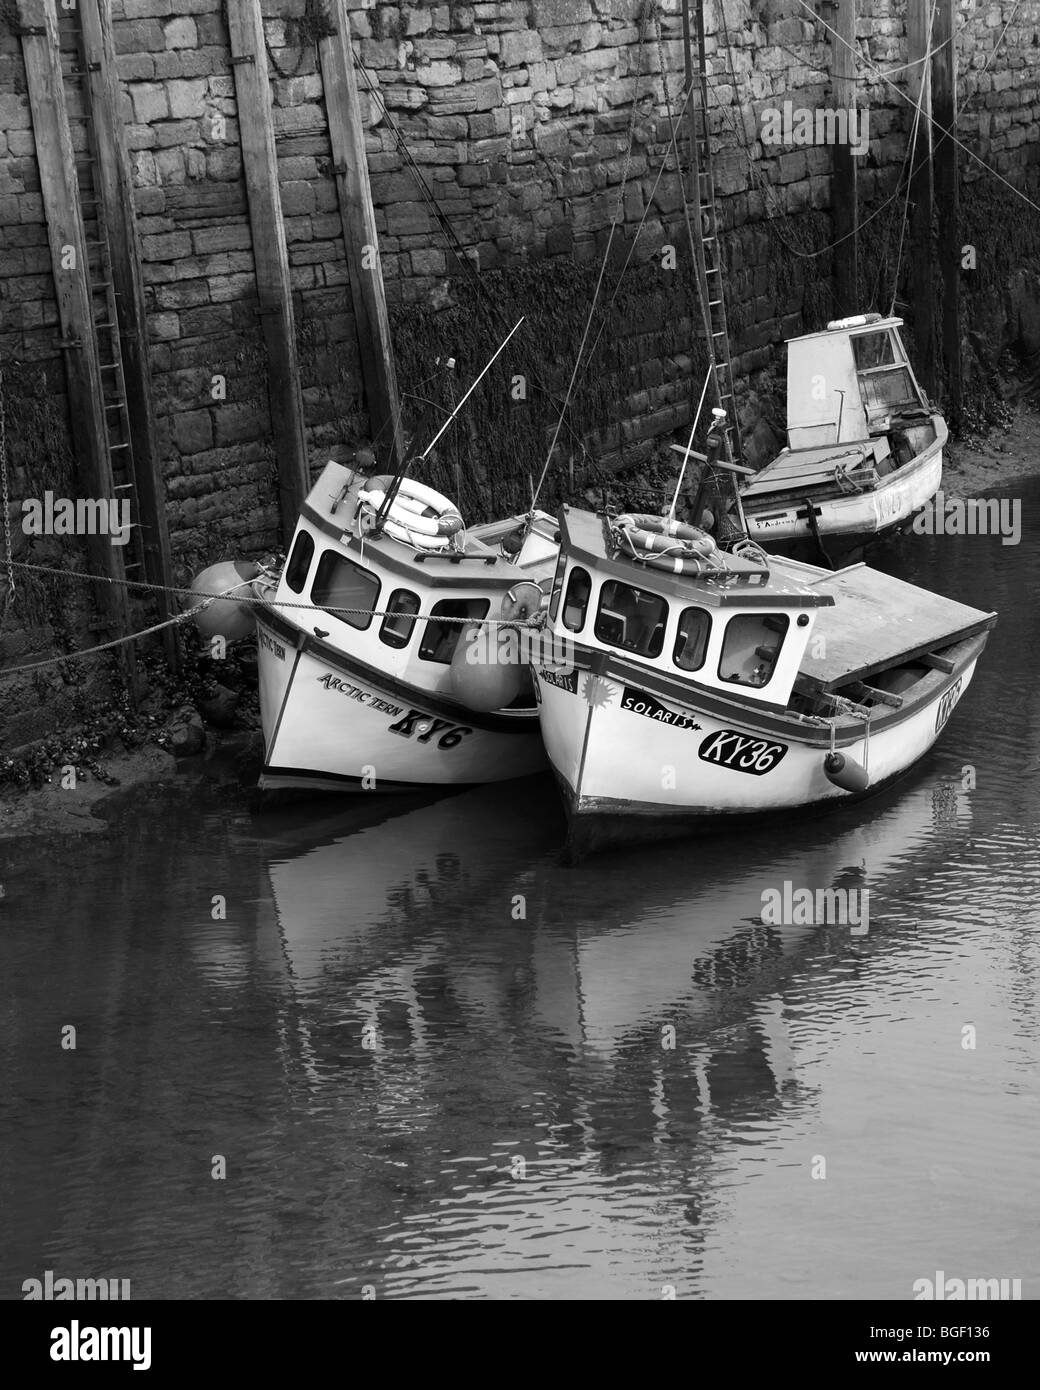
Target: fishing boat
704	683
864	444
394	644
369	679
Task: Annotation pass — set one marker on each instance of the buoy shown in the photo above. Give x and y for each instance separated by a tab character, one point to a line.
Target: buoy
487	670
225	618
846	772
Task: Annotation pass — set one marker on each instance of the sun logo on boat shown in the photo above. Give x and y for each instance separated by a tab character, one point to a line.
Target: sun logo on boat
597	691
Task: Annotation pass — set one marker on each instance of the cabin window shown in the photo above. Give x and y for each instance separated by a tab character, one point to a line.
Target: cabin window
339	583
888	389
299	565
441	638
885	381
396	629
873	350
631	618
751	646
579	587
691	639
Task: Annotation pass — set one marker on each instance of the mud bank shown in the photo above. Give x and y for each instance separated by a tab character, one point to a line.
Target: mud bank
85	805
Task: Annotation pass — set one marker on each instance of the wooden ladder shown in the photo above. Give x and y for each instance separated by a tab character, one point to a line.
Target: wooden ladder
707	247
98	277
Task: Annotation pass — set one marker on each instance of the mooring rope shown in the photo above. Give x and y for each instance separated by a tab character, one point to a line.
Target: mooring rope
232	596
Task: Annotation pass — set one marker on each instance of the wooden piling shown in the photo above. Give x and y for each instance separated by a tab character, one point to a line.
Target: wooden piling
947	196
922	258
844	169
114	188
270	255
347	133
60	192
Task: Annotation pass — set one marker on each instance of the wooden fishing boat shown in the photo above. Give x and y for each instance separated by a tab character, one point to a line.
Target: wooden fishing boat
864	444
366	681
704	684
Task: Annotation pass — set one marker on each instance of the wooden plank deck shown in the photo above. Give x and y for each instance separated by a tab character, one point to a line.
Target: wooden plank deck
878	620
811	468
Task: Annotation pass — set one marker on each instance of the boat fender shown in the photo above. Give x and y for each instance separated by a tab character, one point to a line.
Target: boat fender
225	618
487	672
846	772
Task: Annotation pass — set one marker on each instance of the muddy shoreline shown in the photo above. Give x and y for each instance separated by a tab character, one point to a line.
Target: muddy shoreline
229	761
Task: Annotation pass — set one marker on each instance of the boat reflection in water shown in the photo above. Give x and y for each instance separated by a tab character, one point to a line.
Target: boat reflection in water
453	1029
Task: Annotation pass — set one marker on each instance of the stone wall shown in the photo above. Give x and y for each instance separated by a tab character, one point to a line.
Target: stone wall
532	125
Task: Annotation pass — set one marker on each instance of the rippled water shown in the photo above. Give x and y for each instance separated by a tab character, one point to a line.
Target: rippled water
437	1062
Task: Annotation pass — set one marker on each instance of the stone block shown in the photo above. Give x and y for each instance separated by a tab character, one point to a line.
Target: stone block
193	431
150	102
168	246
187	98
517	50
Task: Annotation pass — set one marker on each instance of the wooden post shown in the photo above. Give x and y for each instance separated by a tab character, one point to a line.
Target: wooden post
347	133
274	289
60	192
845	170
921	254
947	193
114	188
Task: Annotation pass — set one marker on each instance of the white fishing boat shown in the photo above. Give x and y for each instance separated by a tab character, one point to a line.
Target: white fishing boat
381	657
864	444
365	681
703	685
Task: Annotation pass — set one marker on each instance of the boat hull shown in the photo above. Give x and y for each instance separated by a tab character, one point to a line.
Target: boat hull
331	723
845	523
632	769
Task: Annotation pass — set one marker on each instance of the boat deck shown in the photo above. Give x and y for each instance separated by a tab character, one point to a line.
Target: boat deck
879	621
798	472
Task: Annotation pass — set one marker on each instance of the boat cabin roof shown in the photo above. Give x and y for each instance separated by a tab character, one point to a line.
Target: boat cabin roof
586	539
331	506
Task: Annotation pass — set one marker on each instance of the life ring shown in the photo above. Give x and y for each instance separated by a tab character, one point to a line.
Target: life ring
680	564
648	536
407	518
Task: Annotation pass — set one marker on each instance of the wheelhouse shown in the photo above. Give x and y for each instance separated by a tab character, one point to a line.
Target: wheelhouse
741	630
396	607
851	382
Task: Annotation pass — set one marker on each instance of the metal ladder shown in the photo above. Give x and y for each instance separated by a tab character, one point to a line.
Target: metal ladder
707	247
97	273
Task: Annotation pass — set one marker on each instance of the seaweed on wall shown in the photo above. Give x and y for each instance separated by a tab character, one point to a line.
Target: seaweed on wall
502	438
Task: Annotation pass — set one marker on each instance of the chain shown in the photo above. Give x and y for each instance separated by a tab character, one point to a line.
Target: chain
5	502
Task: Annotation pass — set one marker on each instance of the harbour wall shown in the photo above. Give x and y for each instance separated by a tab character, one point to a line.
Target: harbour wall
504	141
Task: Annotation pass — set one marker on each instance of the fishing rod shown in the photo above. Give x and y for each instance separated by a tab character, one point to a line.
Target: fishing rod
395	486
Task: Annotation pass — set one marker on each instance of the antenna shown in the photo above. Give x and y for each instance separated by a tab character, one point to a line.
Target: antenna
394	487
